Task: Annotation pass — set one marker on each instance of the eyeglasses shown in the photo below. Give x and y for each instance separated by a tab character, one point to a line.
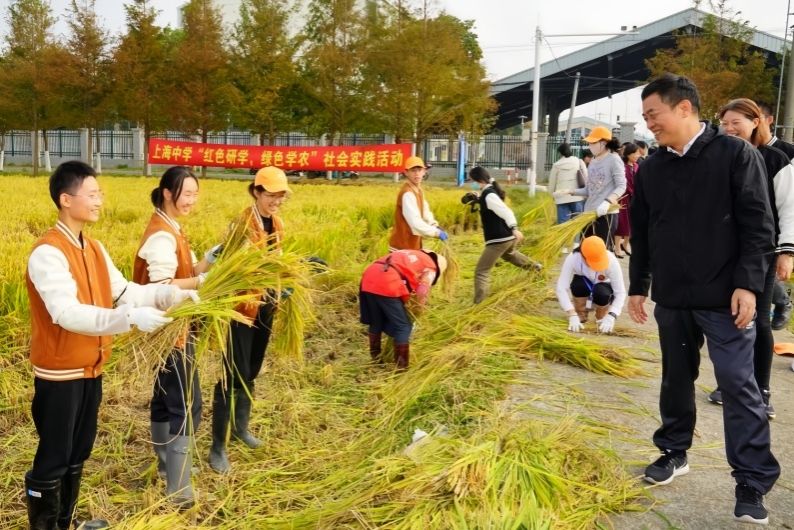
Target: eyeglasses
98	196
275	196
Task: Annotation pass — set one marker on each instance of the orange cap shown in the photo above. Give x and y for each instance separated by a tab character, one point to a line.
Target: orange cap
414	161
598	134
784	348
594	252
273	179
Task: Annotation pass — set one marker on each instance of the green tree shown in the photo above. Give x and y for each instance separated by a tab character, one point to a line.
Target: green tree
426	77
719	59
86	75
263	71
204	95
30	69
140	72
330	70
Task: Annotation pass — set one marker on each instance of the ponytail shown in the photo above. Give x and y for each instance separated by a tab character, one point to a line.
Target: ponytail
157	198
613	145
498	189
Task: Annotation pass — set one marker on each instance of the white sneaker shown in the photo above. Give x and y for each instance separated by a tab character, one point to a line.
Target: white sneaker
565	251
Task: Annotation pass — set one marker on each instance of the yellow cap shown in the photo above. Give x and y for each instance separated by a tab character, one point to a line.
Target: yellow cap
414	161
598	134
273	179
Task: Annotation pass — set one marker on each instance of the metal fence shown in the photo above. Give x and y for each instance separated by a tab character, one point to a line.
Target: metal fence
493	151
114	144
554	142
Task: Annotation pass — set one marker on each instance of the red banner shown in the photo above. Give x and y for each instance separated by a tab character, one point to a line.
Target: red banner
375	158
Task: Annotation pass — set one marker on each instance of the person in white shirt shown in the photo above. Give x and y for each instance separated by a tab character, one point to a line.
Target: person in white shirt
413	219
73	287
500	230
595	279
165	257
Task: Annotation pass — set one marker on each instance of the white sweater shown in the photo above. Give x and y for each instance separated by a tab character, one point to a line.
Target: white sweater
575	264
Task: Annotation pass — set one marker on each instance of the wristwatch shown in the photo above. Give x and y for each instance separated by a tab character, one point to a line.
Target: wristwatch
613	315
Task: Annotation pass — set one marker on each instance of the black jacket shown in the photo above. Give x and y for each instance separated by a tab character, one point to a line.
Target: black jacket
785	147
494	228
701	224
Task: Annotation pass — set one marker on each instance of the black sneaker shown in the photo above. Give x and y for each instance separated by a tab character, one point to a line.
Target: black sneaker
716	397
668	466
770	410
781	315
750	505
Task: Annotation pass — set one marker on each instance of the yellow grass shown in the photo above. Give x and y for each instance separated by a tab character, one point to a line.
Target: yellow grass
335	426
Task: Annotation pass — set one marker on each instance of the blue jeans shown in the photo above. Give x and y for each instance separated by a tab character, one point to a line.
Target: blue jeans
568	210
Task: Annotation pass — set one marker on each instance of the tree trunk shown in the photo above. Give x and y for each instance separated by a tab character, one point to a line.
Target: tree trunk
204	141
34	147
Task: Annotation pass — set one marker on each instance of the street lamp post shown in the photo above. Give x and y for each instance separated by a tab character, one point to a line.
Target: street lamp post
532	173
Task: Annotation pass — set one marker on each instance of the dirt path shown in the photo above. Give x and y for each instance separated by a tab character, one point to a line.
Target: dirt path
704	498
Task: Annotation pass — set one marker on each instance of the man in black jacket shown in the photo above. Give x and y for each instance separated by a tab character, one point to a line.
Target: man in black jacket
702	228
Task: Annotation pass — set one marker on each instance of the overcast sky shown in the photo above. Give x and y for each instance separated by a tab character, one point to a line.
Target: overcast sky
506	30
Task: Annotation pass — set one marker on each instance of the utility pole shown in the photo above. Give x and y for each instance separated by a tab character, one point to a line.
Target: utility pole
782	69
788	120
573	106
532	172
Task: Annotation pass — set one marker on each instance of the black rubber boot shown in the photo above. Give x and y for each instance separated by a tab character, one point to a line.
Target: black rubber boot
43	498
219	460
242	414
70	490
375	346
401	355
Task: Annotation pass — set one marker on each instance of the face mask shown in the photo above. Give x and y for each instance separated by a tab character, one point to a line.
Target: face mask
596	149
474	185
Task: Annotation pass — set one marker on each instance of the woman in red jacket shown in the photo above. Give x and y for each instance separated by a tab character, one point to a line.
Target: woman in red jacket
386	286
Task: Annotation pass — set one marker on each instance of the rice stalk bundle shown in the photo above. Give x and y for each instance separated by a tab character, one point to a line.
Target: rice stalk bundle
241	275
546	338
547	247
452	274
294	313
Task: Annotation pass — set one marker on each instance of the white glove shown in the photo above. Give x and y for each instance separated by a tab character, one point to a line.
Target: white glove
212	254
606	324
202	277
574	324
146	318
603	208
183	294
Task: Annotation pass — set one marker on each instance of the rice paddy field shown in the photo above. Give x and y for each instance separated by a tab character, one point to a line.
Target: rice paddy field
337	429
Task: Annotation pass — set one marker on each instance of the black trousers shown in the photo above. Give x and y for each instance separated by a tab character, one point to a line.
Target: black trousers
176	386
603	227
764	341
602	292
245	352
747	439
65	415
780	294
